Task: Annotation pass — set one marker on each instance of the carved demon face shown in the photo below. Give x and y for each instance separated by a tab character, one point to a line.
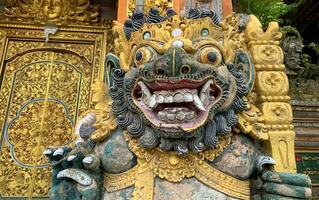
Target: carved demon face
179	94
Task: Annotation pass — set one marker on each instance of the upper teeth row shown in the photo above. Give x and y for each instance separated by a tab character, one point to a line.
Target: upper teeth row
176	96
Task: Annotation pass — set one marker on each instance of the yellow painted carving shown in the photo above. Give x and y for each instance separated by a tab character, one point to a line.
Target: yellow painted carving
105	120
2	41
277	113
61	11
190	30
153	163
272	83
272	88
162	5
280	145
267	54
27	58
255	35
252	122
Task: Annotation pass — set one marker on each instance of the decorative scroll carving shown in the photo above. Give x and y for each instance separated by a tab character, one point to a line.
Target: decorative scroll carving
160	4
26	128
272	83
174	168
123	46
60	11
105	120
18	180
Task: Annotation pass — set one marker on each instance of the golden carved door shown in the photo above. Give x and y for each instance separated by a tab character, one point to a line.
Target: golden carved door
44	88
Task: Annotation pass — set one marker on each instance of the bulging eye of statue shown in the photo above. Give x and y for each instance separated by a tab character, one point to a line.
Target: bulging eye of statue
209	55
144	55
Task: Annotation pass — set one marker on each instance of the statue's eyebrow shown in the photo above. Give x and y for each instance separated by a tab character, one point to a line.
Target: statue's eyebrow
201	40
160	42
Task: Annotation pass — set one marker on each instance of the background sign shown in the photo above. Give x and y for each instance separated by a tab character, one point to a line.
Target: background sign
308	163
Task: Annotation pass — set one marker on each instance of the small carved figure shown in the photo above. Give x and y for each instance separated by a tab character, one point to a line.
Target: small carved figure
183	124
292	46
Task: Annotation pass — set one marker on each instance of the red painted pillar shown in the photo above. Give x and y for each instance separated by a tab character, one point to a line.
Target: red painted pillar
122	11
227	8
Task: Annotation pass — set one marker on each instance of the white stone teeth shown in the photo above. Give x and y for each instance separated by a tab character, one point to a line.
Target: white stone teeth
170	110
174	114
181	116
159	98
161	115
169	99
144	89
146	93
203	98
204	93
190	115
206	86
173	110
198	103
152	101
178	98
170	116
188	97
147	96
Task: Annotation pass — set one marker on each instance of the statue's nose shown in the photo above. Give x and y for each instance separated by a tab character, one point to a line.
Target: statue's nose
175	62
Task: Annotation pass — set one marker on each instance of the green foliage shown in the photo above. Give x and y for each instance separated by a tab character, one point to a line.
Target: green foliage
266	10
281	11
289	30
311	70
309	61
314	47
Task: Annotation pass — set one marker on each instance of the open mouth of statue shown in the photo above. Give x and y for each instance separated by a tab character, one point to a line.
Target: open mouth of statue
180	104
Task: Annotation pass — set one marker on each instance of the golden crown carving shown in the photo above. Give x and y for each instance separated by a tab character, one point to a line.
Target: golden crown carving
178	28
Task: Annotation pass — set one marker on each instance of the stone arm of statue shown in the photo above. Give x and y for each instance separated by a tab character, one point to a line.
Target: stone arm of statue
284	186
244	159
280	185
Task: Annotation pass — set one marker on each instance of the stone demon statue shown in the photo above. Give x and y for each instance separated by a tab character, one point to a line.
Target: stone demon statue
190	108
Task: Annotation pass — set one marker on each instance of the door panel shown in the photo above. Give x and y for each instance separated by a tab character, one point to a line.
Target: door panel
44	88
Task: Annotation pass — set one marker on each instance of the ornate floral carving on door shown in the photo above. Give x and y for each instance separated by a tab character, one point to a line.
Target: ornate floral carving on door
44	88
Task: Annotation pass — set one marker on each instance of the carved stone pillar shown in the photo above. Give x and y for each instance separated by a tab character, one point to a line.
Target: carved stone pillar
272	89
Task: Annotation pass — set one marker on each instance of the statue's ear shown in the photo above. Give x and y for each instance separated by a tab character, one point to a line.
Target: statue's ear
111	64
244	63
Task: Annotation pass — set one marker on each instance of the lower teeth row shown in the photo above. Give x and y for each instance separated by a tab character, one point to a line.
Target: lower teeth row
180	115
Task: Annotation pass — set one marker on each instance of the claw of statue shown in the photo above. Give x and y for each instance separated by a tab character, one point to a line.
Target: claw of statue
88	160
263	160
71	157
47	152
77	175
58	152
